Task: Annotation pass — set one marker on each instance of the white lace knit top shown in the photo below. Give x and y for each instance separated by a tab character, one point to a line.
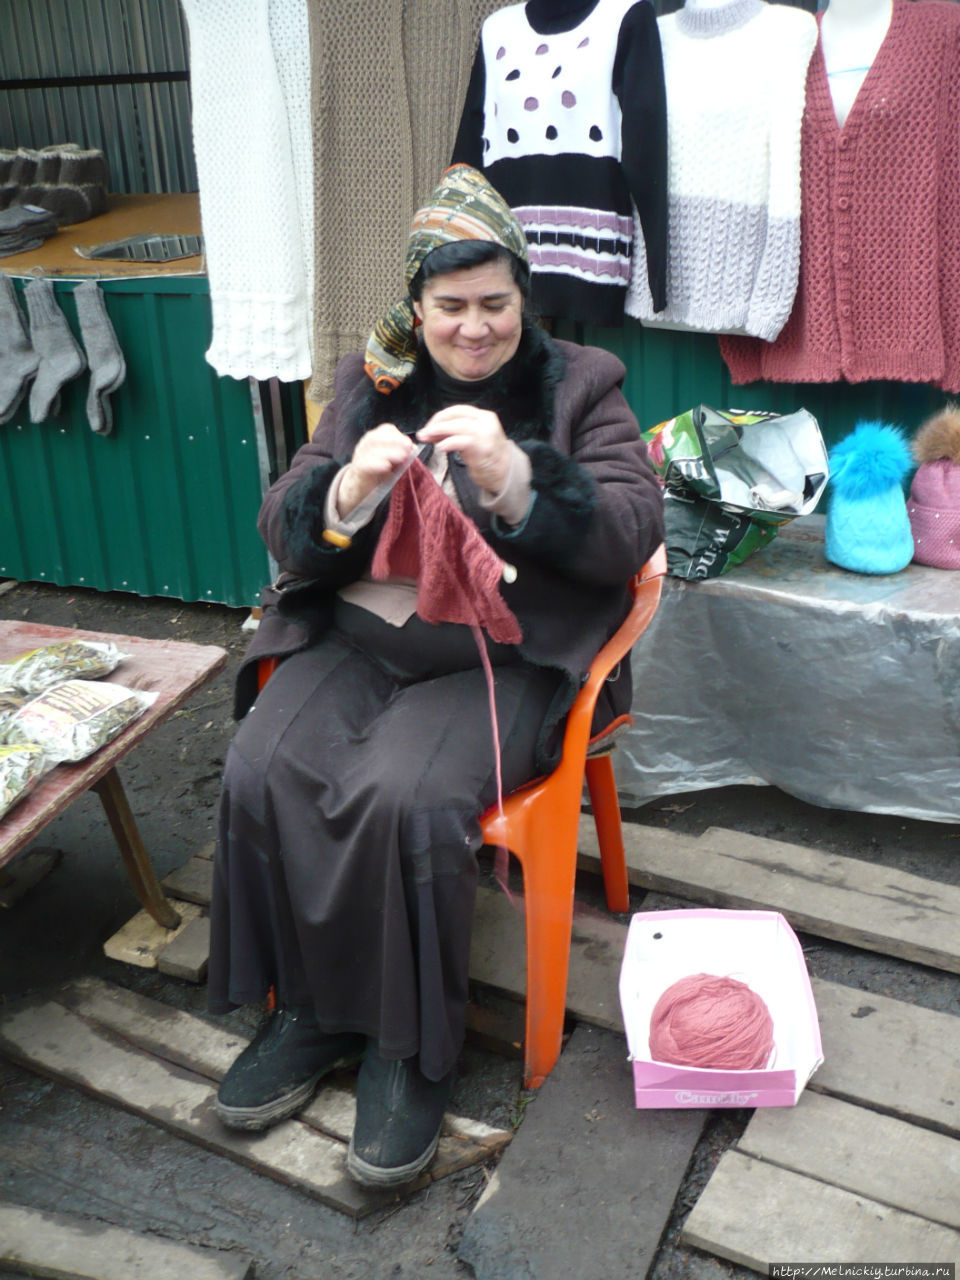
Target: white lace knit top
735	75
250	85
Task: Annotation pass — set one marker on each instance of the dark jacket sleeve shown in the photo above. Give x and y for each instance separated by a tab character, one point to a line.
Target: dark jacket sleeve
639	85
291	520
468	148
598	512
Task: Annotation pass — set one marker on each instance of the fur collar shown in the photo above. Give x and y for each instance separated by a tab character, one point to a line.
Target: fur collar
522	396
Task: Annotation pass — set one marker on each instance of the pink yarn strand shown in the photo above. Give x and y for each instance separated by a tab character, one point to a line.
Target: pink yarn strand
479	585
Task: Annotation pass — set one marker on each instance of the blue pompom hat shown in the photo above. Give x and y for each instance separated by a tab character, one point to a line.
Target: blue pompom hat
868	529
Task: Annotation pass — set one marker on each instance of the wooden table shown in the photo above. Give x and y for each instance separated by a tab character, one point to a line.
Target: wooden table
170	668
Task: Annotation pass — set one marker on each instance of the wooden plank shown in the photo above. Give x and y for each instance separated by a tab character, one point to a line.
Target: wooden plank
496	1023
141	939
69	1248
186	956
498	957
878	908
55	1041
889	1055
753	1213
876	1156
185	1040
193	882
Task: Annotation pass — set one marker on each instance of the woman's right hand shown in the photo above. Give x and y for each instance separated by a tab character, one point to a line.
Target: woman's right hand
376	456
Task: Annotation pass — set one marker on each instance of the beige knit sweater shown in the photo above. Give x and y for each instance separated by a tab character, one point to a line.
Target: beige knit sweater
389	80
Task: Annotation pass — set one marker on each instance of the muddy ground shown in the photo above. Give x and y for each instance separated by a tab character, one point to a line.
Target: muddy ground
63	1151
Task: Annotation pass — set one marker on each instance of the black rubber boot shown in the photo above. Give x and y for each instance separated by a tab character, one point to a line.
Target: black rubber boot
399	1117
280	1068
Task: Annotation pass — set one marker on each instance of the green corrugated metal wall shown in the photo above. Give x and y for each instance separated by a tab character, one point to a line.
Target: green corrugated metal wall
669	371
167	504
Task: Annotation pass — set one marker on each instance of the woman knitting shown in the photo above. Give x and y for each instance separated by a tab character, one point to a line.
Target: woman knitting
346	870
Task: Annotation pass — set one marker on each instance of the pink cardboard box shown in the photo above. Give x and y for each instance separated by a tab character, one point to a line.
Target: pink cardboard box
756	947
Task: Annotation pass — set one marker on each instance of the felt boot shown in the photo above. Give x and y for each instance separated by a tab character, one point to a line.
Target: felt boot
399	1118
61	357
104	357
18	360
278	1072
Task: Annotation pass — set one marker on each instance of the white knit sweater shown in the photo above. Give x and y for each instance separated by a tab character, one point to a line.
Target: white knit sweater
250	86
735	75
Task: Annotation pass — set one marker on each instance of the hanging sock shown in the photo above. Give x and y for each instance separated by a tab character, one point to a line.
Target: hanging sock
60	355
104	357
18	360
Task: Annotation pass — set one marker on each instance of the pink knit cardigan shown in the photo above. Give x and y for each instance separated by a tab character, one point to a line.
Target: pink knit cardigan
879	289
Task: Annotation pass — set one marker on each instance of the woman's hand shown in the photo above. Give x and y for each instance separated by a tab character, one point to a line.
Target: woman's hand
478	436
376	456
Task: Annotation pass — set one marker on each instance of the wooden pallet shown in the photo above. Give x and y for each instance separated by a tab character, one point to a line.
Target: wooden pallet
163	1064
182	952
63	1247
887	1063
890	1082
864	905
844	899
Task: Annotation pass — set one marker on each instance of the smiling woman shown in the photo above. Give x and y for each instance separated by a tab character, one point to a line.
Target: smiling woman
472	318
346	868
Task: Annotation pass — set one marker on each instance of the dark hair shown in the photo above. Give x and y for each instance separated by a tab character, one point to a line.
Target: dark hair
459	255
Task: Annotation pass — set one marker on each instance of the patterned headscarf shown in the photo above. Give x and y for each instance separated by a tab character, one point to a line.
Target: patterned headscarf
463	207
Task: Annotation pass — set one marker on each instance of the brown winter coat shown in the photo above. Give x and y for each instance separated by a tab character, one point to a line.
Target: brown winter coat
596	517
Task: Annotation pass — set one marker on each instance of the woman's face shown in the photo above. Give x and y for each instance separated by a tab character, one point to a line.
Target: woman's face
472	319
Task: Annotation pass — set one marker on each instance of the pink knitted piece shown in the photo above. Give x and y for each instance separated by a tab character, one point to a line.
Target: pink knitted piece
878	295
709	1021
428	538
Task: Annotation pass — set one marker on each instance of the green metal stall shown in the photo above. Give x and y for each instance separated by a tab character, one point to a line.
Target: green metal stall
669	371
166	505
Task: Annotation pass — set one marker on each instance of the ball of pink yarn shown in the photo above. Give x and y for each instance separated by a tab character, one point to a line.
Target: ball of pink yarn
708	1021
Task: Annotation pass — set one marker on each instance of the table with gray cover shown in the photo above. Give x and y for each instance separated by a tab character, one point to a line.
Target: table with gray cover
842	689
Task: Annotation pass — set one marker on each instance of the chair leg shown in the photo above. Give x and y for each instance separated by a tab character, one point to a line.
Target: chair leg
602	785
548	896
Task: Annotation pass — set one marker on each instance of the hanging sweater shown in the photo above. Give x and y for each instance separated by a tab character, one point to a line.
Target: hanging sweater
568	126
388	80
250	132
879	289
735	77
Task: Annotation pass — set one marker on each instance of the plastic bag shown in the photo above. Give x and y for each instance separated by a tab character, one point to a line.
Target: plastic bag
51	664
76	718
21	767
731	479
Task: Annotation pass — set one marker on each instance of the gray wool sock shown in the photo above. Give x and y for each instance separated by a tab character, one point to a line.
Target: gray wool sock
107	365
18	360
60	355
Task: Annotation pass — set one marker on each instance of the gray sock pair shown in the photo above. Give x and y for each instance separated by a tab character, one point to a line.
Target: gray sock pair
104	356
61	358
18	360
51	356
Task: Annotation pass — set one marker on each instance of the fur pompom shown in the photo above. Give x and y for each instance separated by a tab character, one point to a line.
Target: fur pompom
873	458
939	436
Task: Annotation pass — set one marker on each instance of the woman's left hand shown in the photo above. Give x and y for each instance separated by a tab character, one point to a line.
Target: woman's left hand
478	436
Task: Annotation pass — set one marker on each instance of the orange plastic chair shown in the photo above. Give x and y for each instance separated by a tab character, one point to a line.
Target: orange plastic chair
540	823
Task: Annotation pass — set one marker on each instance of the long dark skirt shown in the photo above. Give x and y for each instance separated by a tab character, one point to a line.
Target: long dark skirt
346	867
